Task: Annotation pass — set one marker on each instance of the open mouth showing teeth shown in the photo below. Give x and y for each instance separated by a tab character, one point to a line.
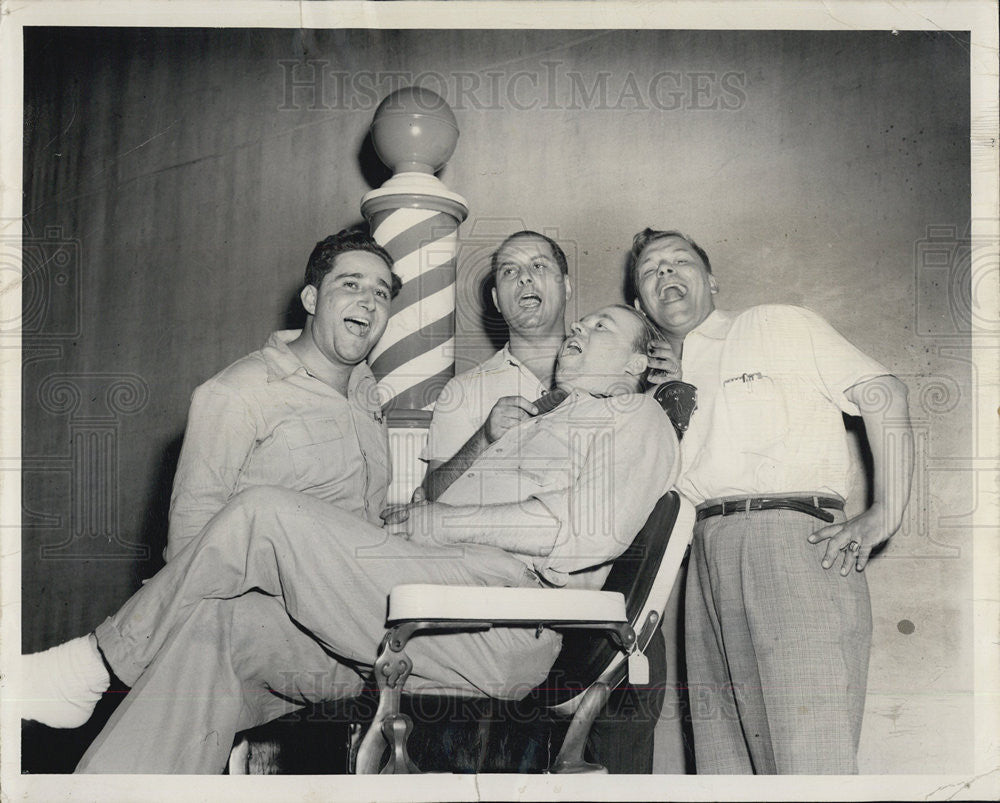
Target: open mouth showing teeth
572	347
672	292
357	326
529	300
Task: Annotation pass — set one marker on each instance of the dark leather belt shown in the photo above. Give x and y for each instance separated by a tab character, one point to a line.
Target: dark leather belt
812	505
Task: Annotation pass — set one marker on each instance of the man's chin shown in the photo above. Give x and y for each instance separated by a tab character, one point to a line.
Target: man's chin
354	356
533	320
679	319
671	317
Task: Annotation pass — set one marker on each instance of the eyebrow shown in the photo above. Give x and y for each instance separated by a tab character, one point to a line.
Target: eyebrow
672	249
536	255
380	280
675	249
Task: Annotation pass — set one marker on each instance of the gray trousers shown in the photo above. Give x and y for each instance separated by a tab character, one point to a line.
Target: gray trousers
777	648
281	601
621	737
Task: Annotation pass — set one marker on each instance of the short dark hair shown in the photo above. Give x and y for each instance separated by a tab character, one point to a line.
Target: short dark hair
557	252
642	240
323	256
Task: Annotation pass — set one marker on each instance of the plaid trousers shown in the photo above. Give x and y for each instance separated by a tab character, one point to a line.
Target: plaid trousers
777	648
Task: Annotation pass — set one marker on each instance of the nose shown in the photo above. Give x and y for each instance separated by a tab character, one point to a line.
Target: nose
523	278
666	268
576	328
368	300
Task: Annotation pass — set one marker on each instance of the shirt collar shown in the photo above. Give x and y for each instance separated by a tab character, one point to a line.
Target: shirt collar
501	359
282	362
504	356
716	326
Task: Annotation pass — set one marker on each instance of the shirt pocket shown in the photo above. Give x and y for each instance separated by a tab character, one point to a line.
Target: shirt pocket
315	446
756	412
539	475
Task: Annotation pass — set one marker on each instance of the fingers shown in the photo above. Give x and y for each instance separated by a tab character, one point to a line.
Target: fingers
844	545
661	349
519	403
508	412
406	521
861	559
395	514
662	361
419	495
833	550
420	525
670	367
665	363
850	558
398	529
824	533
511	405
836	538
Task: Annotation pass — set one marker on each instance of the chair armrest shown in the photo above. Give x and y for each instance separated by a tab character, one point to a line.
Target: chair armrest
500	605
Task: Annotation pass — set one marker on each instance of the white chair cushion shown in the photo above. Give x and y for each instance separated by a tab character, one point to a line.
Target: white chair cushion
503	605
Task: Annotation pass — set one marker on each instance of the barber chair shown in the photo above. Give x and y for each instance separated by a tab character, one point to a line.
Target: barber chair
604	632
604	635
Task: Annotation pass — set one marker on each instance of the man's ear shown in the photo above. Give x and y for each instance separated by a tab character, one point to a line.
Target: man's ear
493	295
308	298
569	288
712	284
636	365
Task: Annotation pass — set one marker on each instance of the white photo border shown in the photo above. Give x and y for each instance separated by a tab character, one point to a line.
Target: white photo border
977	16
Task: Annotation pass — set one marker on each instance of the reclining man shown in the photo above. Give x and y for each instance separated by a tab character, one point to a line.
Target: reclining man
280	599
531	287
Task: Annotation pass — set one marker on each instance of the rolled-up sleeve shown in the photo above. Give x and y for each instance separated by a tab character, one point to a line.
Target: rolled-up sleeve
624	469
219	438
839	364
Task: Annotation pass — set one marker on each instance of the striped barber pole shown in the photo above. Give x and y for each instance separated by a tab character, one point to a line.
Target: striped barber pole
416	355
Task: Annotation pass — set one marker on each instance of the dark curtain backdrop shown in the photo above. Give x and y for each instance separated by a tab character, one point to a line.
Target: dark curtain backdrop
176	180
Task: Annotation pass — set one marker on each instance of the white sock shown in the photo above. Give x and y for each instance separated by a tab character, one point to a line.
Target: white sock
61	686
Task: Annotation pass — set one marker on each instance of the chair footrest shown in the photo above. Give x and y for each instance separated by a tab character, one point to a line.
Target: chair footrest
504	605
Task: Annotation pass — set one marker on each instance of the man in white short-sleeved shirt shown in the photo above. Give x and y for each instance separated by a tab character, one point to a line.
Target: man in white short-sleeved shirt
530	289
778	629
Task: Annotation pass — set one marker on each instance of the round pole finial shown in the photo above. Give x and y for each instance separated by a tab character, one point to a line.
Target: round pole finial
414	130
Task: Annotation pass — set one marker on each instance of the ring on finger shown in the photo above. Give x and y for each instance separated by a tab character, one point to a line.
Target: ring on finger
854	546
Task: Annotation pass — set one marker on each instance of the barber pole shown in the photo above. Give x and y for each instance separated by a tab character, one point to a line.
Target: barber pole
415	217
416	355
